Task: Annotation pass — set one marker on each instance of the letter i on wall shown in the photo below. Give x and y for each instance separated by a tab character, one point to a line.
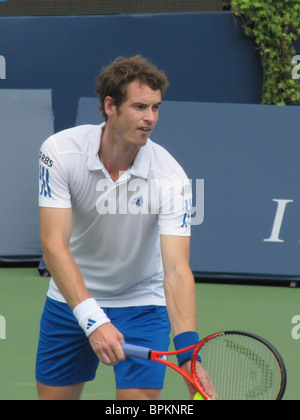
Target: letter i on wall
2	67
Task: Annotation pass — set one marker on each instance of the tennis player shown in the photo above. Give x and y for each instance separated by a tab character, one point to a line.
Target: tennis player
115	212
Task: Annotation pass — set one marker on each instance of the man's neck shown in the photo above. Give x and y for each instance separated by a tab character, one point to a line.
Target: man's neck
115	155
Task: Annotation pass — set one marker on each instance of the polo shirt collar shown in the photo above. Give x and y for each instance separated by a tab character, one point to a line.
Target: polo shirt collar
94	162
141	164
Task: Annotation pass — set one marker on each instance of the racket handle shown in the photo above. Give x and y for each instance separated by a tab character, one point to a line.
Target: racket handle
131	350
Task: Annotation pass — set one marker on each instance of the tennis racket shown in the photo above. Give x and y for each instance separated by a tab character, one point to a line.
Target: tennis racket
240	365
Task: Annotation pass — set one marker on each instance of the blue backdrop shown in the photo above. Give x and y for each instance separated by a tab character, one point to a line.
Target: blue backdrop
206	56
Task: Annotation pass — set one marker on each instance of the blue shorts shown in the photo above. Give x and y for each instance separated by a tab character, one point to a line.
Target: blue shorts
65	357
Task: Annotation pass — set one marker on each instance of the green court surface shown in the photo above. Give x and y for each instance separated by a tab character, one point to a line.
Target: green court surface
264	310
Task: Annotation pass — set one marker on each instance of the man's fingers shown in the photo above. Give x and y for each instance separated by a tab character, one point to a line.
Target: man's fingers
112	355
206	382
106	343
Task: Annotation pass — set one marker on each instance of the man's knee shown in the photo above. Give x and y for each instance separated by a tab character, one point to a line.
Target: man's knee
56	393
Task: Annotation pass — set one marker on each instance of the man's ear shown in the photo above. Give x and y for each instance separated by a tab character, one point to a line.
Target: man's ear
108	105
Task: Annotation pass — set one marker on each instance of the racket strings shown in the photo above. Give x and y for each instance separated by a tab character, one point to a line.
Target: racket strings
241	368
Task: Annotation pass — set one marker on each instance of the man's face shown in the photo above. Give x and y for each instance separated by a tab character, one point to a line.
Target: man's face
136	118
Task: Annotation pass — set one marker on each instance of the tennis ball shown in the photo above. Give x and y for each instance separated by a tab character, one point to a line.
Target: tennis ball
198	396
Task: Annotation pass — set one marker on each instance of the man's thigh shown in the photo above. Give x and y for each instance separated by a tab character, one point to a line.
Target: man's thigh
147	326
65	356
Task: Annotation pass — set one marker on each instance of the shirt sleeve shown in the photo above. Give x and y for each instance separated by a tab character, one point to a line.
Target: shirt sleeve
54	190
176	207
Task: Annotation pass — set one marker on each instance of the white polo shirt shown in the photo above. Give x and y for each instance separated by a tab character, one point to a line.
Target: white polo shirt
116	228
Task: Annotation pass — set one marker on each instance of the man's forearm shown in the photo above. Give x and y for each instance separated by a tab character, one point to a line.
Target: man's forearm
66	274
181	301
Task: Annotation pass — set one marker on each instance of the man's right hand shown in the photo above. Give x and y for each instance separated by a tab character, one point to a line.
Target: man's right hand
106	343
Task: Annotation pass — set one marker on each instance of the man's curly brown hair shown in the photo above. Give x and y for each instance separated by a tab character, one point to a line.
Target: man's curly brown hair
114	79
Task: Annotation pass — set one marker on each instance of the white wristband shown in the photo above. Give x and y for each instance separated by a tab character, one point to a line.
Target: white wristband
90	316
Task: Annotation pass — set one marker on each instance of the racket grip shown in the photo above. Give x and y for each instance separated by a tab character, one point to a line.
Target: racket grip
131	350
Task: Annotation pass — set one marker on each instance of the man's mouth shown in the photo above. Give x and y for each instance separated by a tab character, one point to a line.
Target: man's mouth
145	129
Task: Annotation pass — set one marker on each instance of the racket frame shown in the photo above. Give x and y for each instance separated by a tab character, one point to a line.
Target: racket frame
270	346
161	357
